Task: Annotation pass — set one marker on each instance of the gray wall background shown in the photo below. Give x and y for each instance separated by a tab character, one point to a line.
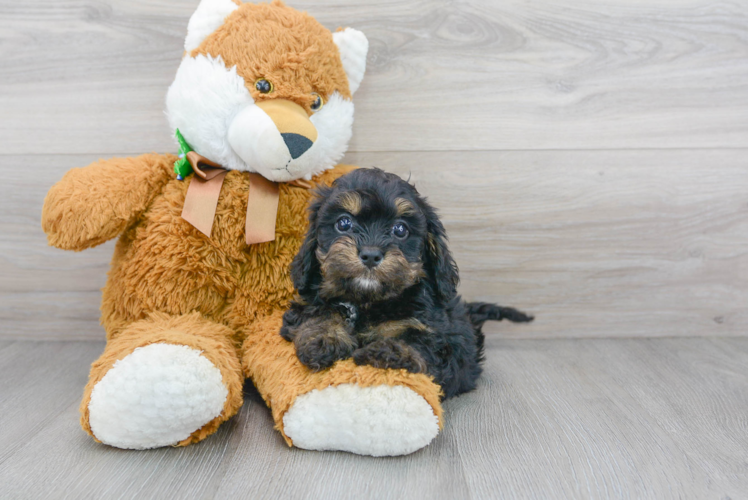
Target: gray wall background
590	159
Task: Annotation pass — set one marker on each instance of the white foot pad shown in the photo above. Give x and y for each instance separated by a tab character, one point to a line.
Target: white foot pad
380	421
156	396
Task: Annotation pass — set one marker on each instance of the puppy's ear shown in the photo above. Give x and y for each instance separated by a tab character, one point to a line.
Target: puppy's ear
440	266
305	271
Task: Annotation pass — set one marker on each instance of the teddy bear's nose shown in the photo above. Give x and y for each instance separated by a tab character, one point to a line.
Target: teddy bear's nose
292	121
297	144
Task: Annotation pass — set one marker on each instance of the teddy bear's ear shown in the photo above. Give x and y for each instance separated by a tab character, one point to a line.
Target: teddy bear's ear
208	17
353	47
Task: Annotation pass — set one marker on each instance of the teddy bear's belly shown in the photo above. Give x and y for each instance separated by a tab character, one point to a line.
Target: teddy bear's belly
164	264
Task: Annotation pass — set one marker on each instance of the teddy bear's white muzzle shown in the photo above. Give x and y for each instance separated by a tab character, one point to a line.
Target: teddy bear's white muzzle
270	135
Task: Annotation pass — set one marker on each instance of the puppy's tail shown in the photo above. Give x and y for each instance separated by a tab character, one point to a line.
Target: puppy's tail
480	312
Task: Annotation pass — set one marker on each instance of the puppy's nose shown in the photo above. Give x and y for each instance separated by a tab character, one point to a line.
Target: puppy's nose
370	256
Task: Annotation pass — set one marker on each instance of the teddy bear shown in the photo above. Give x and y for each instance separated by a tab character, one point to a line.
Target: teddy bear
199	280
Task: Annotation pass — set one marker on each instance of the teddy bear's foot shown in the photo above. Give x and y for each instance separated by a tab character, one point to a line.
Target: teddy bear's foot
380	420
360	409
156	396
159	383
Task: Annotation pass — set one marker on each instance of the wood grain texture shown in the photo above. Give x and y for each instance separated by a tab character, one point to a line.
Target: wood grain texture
595	243
38	382
90	76
593	418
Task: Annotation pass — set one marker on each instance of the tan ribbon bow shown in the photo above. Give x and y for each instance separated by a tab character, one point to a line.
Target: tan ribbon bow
201	200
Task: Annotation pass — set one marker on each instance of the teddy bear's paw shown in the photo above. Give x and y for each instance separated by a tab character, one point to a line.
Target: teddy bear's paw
380	421
156	396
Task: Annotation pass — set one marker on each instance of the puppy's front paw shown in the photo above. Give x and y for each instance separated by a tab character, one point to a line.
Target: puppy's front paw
390	353
288	333
319	344
322	351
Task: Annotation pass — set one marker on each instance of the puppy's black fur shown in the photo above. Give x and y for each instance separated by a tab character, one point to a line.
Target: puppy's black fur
377	283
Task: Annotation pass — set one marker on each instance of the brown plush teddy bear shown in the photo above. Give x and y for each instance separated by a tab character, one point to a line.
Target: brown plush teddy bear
262	106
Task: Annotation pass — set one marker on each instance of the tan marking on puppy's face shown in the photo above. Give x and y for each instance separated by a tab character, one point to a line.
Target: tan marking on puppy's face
404	207
340	263
343	273
396	272
351	202
288	48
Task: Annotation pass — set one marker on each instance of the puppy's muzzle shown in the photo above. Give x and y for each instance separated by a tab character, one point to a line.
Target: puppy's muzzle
367	274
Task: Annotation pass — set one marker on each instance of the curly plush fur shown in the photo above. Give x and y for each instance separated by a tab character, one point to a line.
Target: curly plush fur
189	317
401	311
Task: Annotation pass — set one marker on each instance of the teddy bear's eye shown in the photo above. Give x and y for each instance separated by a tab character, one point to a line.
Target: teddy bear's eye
318	102
263	86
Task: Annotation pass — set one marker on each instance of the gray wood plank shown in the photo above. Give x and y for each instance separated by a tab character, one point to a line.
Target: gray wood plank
38	381
90	76
596	243
695	391
577	418
542	425
71	465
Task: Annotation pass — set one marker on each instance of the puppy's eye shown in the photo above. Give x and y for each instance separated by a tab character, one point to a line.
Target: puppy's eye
399	230
344	224
318	102
263	86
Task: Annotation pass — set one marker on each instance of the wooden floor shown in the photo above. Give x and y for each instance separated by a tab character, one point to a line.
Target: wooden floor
592	418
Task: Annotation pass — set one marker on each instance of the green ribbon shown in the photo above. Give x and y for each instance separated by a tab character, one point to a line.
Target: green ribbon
182	166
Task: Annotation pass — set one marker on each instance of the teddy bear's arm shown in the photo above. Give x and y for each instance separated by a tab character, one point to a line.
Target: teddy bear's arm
93	204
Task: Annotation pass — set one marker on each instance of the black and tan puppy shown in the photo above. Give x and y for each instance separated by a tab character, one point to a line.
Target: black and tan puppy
377	282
